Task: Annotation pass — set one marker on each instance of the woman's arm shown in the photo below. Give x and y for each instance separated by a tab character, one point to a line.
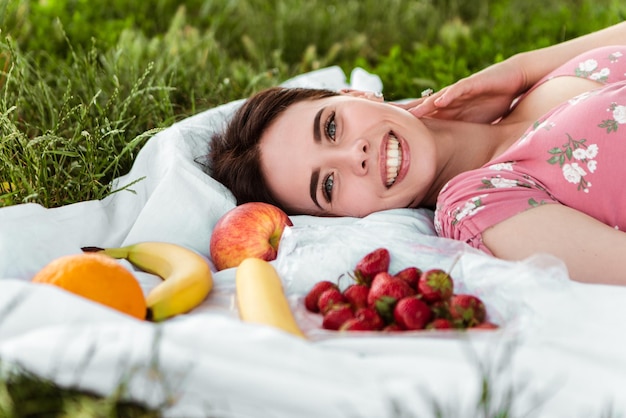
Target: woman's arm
592	251
487	95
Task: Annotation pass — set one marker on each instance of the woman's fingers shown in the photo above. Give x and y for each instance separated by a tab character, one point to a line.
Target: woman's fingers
428	105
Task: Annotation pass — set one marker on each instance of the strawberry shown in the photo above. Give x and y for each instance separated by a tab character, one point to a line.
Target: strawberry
337	315
386	290
356	324
373	263
435	285
357	295
485	325
439	323
412	313
393	327
330	297
469	310
371	316
384	284
440	309
411	275
311	298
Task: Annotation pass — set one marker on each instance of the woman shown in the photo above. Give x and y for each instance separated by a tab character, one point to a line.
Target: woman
543	130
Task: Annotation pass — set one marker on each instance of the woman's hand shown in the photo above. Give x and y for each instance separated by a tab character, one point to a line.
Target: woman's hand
487	95
483	97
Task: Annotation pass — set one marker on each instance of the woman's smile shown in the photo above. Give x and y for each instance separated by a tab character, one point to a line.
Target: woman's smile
394	159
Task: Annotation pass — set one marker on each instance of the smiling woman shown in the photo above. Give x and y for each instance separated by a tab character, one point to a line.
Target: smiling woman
516	159
347	163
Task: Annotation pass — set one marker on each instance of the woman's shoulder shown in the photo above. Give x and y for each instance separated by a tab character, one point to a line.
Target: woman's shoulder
606	64
588	71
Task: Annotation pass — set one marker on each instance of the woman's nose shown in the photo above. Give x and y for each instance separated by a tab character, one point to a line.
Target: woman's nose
359	157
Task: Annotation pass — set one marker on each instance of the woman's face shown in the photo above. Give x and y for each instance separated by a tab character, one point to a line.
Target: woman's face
347	156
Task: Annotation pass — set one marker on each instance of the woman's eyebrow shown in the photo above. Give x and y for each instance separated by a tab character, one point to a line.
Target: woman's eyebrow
313	186
317	135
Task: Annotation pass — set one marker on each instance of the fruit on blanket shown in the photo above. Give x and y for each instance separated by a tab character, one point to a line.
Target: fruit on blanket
252	229
412	313
468	309
329	298
440	323
371	317
435	285
356	324
409	300
96	277
313	296
371	264
388	287
411	275
393	327
187	278
485	325
356	294
260	296
337	315
440	309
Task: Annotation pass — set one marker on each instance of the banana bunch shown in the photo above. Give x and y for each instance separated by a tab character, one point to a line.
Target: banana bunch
187	278
260	296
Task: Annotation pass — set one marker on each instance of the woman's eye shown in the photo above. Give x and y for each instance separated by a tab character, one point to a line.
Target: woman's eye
327	188
331	127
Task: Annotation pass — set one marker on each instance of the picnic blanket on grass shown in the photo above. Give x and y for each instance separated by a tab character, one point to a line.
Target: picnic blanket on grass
559	351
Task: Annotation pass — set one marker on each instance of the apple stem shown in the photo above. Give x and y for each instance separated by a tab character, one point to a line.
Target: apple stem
274	240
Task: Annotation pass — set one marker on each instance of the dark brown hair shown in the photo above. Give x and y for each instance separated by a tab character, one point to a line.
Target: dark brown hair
234	155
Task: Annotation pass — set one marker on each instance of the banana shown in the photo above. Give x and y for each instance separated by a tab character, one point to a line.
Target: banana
260	296
187	278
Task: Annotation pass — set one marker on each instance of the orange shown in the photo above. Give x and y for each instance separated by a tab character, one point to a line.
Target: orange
97	277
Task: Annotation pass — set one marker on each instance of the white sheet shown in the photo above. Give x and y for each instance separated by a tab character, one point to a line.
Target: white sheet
560	348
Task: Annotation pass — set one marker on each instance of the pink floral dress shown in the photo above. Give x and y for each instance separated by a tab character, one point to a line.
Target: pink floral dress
575	155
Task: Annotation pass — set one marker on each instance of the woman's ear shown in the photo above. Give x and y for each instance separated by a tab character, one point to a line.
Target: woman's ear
371	95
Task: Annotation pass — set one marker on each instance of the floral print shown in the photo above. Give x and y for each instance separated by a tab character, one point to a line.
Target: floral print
614	57
589	69
571	156
508	166
619	118
470	208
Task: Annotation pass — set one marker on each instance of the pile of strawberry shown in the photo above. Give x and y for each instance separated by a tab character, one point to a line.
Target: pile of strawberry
409	300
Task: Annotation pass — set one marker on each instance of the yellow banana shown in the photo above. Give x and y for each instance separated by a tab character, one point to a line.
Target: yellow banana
187	278
260	296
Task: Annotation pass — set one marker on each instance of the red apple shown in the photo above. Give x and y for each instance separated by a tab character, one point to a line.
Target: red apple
251	229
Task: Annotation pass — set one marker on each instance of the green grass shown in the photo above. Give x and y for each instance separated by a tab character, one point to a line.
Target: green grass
85	83
25	395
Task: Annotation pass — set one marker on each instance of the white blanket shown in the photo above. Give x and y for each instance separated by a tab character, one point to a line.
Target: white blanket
560	350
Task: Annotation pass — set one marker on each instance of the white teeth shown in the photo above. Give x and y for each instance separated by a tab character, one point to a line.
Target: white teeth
394	158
